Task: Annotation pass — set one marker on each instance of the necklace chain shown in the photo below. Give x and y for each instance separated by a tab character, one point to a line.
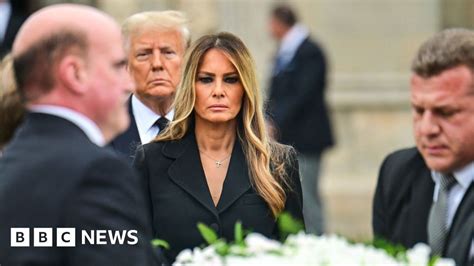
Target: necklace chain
217	162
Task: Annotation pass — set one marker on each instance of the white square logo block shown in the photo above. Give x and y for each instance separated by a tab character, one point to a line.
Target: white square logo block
19	237
43	237
65	237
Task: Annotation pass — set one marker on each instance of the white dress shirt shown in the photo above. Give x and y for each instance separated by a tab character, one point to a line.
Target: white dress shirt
91	130
5	12
145	119
291	42
464	178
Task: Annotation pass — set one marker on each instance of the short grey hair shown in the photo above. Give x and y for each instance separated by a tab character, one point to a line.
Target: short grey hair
167	20
445	50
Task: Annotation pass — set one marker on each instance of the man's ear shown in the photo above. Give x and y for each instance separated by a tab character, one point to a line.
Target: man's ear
73	74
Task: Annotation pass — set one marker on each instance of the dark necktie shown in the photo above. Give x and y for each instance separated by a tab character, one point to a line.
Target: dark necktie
161	123
437	228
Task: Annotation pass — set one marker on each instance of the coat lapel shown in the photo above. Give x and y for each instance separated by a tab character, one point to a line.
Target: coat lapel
460	235
127	142
187	172
237	180
421	199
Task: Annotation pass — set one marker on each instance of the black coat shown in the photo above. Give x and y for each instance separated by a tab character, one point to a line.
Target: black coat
296	101
402	204
14	23
126	143
52	175
179	197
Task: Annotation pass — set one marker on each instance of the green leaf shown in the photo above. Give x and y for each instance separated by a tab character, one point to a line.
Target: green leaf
207	233
288	225
222	248
433	260
238	233
396	251
160	243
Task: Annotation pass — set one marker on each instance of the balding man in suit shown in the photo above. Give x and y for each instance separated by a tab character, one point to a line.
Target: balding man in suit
70	69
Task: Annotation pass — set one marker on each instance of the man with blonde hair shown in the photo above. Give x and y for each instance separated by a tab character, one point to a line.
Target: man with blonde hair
155	42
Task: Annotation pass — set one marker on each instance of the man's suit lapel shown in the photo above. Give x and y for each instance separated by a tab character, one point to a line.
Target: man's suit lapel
421	200
462	229
290	66
237	180
127	142
187	172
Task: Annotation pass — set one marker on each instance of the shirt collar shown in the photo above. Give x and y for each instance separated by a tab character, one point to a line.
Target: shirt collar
147	117
293	39
5	12
464	176
91	129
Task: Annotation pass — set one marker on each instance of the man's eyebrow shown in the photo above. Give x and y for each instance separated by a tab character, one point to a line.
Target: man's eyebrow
121	63
142	49
446	107
166	46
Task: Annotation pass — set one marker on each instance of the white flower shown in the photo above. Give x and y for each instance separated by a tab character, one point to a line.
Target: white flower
445	262
257	243
259	260
198	257
303	249
183	257
419	255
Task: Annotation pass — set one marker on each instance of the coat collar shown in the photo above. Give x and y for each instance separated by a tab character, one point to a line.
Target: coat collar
187	172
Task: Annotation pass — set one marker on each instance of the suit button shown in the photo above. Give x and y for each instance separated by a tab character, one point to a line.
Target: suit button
215	227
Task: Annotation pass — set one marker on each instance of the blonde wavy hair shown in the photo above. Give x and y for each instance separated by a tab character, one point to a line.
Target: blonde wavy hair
265	157
12	109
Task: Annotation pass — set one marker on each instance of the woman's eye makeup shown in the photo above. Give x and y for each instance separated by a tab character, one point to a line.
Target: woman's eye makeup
205	79
231	79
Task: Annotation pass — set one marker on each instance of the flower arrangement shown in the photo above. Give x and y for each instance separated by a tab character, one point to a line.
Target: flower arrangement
300	249
304	249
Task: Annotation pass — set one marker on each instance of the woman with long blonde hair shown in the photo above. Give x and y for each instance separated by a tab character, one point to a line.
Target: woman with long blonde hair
215	163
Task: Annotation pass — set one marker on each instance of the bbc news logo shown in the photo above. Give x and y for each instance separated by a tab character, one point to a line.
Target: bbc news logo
66	237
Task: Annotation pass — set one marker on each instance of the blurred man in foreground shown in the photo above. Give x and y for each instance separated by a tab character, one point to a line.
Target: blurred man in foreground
70	69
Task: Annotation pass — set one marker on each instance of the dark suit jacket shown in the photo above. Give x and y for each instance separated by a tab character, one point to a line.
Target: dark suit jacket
14	23
402	204
296	102
52	175
126	143
179	197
